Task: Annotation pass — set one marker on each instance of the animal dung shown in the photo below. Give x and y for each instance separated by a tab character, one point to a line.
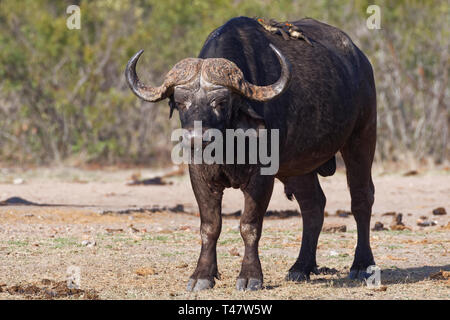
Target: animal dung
398	220
49	289
110	230
439	211
379	289
332	228
282	214
136	179
446	227
325	270
343	213
133	229
179	208
235	214
379	227
425	222
399	228
397	223
234	252
411	173
145	271
158	181
441	275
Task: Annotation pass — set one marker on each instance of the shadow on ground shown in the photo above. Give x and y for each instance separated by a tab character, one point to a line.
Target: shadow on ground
18	201
388	276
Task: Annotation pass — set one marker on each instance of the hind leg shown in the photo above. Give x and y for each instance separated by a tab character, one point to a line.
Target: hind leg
311	199
358	155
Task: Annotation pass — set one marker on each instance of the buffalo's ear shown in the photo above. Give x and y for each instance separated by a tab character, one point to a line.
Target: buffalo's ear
245	117
171	105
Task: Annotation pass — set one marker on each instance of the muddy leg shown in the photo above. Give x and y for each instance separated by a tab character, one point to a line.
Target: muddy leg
358	156
311	199
257	196
210	205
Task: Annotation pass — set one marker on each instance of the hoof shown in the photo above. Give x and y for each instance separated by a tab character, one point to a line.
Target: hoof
199	284
358	274
297	276
251	284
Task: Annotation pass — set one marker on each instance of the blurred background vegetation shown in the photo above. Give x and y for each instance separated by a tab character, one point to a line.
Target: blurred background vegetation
63	96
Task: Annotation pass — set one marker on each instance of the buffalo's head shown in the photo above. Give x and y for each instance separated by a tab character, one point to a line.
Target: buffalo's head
211	90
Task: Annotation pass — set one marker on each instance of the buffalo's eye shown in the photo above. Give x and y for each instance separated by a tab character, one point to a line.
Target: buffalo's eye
217	104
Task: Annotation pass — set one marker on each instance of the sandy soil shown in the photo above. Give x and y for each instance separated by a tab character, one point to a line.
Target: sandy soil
80	218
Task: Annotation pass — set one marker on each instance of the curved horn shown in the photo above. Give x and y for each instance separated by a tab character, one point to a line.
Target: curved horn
181	73
225	72
144	92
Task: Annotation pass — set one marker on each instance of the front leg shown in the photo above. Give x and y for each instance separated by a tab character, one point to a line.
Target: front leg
210	205
257	196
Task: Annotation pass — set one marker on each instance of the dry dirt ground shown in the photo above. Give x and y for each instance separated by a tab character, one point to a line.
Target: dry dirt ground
126	249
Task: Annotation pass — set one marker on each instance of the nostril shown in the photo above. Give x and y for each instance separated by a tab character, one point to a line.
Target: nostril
207	135
190	138
187	136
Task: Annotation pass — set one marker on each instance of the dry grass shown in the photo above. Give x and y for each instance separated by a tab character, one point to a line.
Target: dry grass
147	261
145	255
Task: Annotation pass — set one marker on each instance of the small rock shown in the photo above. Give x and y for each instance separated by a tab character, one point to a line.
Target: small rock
439	211
18	181
88	243
333	253
390	213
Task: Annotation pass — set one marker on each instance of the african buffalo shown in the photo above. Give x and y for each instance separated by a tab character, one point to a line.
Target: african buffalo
321	96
